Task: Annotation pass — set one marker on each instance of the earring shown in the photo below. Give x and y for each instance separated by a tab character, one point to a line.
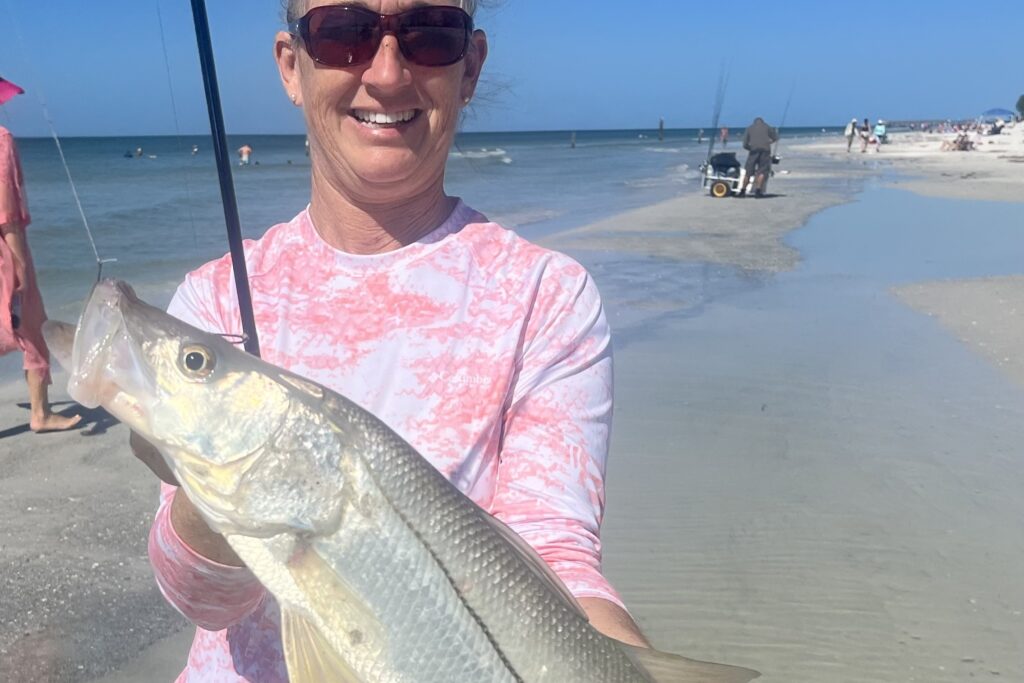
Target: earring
465	100
295	98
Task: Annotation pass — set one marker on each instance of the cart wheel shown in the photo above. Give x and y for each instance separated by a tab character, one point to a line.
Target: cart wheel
719	189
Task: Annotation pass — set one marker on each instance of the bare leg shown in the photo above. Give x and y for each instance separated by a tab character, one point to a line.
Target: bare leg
43	419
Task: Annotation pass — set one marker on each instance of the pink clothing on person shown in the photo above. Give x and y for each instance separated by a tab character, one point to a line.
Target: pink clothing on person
14	214
13	204
490	355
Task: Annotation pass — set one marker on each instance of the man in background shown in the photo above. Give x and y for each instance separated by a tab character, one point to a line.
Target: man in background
758	141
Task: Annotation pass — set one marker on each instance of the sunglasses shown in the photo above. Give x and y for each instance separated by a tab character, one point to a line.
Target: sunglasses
345	35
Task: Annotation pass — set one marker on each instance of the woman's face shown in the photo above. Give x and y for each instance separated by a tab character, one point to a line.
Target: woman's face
350	147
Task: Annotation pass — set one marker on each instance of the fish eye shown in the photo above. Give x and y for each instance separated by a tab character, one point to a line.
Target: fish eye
197	361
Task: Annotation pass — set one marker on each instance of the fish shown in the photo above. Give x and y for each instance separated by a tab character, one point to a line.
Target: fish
384	571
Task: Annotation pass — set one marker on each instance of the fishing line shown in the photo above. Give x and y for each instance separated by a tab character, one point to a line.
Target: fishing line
177	127
60	150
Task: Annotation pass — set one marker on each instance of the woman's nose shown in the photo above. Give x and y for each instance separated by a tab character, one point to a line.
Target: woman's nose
388	68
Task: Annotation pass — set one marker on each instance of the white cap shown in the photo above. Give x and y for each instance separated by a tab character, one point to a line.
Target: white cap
468	5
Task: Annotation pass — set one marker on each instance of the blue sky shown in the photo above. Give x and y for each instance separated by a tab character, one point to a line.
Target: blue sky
554	65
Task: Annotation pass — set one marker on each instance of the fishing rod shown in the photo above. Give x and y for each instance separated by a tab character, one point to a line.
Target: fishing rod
785	113
723	84
227	187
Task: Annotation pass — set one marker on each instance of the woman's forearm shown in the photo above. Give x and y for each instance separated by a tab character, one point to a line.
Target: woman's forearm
14	236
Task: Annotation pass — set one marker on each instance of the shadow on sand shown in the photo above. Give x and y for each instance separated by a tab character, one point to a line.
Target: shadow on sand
94	420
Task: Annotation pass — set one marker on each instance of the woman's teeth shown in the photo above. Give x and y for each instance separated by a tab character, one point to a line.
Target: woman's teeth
383	119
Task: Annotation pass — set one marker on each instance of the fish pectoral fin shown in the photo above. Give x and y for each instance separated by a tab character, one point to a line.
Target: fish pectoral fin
341	610
668	668
310	658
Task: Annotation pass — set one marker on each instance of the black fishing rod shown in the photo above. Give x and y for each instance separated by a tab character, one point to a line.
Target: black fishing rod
723	84
227	186
785	113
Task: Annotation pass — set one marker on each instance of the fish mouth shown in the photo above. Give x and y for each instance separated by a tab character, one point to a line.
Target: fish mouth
103	355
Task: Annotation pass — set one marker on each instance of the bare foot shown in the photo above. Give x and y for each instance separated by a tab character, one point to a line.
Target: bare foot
54	423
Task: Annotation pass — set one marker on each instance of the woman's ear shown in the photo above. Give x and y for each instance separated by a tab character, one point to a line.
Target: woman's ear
286	56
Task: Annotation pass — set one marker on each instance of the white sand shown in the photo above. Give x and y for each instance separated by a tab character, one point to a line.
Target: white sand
994	171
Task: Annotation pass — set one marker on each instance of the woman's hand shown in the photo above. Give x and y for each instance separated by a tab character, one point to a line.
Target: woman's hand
151	458
186	520
20	277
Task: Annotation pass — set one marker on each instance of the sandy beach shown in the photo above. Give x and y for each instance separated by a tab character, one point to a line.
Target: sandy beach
816	457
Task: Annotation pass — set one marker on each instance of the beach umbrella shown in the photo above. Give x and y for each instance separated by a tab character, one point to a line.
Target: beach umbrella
8	90
998	114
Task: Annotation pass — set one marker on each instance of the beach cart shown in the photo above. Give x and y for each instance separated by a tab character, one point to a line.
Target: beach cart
722	174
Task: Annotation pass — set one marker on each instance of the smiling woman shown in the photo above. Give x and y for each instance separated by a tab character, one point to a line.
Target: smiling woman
392	292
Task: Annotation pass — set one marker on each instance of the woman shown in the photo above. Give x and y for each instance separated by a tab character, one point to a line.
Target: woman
490	355
865	136
20	299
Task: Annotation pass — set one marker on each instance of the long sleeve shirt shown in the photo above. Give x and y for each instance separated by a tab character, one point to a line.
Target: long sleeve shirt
488	354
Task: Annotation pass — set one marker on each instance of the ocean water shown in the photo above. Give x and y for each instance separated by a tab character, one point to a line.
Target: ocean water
161	215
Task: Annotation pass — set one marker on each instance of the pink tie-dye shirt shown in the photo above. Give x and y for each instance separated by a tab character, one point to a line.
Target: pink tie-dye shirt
488	354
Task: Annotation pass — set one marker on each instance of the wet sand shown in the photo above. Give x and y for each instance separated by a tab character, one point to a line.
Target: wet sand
746	234
808	476
815	480
987	315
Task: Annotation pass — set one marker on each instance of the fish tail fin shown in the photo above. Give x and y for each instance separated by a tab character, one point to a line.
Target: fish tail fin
668	668
310	658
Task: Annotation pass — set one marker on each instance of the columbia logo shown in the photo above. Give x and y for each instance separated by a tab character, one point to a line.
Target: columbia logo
470	380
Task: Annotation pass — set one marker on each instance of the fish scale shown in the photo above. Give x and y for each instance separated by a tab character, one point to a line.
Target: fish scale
541	637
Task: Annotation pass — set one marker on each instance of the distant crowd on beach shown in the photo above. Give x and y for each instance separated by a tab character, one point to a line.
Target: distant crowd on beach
868	135
968	133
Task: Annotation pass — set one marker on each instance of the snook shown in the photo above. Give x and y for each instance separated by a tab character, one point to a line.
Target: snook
383	570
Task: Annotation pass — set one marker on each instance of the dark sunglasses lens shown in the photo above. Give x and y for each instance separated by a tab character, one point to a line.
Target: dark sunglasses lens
342	36
432	36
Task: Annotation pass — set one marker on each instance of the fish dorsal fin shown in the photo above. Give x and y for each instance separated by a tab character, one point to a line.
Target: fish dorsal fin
310	658
536	563
662	667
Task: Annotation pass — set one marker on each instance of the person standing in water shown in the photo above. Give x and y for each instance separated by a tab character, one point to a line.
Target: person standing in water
724	136
244	152
20	300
